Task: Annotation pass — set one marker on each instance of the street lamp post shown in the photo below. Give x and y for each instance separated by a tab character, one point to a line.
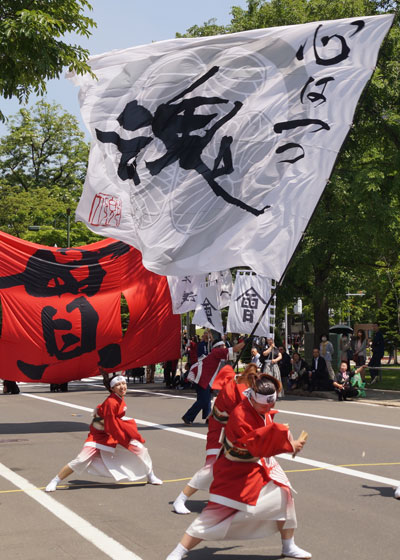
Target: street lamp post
68	227
361	293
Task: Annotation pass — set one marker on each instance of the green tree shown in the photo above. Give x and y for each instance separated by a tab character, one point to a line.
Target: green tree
356	225
43	162
31	47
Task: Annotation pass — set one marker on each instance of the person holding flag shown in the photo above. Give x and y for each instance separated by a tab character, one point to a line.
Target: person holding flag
203	373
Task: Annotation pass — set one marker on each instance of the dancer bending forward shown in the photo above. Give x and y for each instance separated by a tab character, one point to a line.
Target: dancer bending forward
250	496
230	395
114	448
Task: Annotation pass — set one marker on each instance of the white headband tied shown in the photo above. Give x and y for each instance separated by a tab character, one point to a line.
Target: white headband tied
117	379
261	399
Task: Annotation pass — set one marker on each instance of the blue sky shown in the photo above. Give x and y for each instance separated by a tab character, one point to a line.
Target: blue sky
125	23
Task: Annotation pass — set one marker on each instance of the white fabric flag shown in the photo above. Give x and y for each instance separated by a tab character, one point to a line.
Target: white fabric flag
225	286
251	293
213	152
207	313
184	291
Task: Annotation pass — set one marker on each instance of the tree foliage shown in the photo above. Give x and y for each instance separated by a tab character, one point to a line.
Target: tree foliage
43	163
353	237
31	46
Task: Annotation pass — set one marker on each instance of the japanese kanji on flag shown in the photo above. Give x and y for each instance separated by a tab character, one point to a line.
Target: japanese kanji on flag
207	313
184	291
61	311
250	295
213	152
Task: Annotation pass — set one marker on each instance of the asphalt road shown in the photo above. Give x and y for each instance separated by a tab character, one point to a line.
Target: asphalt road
344	479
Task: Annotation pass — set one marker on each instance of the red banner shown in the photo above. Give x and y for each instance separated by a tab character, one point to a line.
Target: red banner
61	311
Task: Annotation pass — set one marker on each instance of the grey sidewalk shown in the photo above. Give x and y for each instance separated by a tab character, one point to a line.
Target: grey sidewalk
373	396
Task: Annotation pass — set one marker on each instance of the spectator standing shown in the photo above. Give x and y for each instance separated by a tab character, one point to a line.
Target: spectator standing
378	351
345	349
255	357
360	348
326	352
285	365
272	357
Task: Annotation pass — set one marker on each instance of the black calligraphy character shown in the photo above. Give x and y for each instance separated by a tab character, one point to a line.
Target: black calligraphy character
345	50
208	308
289	125
133	117
187	297
248	316
316	96
44	276
175	122
69	348
249	303
290	146
87	340
187	279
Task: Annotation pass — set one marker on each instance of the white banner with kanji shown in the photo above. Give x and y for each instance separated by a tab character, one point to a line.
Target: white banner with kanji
207	312
211	153
184	291
251	294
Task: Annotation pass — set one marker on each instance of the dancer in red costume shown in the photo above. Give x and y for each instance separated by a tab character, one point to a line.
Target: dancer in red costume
230	395
114	448
250	496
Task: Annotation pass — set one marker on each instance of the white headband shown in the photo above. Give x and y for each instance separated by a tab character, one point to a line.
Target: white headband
261	399
117	379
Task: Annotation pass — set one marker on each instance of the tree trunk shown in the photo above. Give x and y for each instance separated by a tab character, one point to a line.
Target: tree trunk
321	318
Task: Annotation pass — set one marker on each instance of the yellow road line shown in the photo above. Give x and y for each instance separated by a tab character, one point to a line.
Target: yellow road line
100	484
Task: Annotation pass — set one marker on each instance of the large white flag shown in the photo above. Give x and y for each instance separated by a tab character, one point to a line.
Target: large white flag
251	293
184	291
213	152
207	313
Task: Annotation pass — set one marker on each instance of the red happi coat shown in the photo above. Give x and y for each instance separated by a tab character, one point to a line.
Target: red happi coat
228	398
205	370
238	483
115	430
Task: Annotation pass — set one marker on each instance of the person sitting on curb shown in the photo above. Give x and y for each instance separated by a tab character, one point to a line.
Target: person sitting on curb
348	384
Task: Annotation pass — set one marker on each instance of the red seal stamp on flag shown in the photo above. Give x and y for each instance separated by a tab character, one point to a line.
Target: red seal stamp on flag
105	210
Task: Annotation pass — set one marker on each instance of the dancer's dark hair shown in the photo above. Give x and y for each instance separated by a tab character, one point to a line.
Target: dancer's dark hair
264	384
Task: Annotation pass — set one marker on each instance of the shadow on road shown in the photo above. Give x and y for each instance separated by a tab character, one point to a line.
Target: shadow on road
210	552
85	484
43	427
383	491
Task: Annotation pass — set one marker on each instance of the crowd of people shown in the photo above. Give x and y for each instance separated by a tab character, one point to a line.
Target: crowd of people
319	374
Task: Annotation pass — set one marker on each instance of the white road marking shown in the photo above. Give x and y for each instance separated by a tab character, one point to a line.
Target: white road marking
342	470
97	538
288	457
331	418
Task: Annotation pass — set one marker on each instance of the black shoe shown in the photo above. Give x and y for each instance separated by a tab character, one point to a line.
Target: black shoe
186	421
